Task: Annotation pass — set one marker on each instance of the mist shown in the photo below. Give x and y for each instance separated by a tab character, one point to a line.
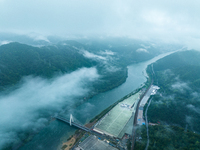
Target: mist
181	86
92	56
28	108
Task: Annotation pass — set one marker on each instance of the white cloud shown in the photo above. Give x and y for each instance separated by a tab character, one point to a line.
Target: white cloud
142	50
157	18
181	86
192	107
107	52
38	37
4	42
92	56
26	108
171	21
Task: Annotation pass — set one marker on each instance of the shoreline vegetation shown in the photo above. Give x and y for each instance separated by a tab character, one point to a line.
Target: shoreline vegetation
94	93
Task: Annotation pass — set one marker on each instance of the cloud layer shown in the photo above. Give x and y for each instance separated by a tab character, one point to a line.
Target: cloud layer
156	19
27	108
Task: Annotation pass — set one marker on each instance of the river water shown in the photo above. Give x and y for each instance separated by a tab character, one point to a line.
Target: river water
53	135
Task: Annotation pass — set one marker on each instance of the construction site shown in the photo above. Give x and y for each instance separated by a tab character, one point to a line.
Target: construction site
119	120
152	90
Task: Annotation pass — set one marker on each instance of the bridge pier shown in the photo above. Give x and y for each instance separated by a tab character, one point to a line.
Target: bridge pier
71	120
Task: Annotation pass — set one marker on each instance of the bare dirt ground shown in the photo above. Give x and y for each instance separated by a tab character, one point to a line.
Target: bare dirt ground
67	145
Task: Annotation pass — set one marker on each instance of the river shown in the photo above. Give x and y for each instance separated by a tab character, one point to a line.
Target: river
52	136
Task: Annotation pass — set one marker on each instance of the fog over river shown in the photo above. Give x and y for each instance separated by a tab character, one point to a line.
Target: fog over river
27	108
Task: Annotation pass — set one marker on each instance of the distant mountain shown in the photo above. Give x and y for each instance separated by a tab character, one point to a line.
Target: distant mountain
129	50
30	39
111	57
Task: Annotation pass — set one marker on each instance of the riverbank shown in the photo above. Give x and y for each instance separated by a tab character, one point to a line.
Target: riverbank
146	85
76	137
93	121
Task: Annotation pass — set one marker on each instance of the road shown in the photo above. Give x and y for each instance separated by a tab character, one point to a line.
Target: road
135	118
147	125
136	113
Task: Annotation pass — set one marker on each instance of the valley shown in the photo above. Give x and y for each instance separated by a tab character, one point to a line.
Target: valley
103	75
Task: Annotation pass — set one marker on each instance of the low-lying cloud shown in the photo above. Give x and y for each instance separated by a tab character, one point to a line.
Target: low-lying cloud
27	108
107	52
142	50
181	86
4	42
92	56
193	108
105	57
37	37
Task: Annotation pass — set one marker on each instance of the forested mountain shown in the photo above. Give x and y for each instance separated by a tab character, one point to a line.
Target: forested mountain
176	106
130	50
18	60
178	76
109	56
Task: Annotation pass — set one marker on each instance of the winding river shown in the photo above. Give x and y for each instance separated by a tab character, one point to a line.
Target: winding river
53	135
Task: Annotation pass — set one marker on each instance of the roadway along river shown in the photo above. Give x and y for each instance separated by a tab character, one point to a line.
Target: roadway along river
57	132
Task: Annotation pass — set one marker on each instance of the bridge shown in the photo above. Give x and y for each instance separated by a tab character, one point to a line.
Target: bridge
71	122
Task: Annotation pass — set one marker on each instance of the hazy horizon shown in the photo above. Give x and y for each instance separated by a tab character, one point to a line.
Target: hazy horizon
169	21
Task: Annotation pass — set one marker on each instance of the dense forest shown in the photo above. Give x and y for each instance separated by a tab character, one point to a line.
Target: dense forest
178	76
168	137
176	105
18	60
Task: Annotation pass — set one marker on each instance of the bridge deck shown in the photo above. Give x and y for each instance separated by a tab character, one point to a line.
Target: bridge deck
73	123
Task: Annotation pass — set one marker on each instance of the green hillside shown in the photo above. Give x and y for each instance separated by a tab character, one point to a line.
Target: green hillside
176	106
18	60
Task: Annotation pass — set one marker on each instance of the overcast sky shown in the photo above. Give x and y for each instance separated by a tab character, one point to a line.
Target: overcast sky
174	20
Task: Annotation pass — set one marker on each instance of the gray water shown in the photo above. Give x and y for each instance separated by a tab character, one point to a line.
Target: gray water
53	135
